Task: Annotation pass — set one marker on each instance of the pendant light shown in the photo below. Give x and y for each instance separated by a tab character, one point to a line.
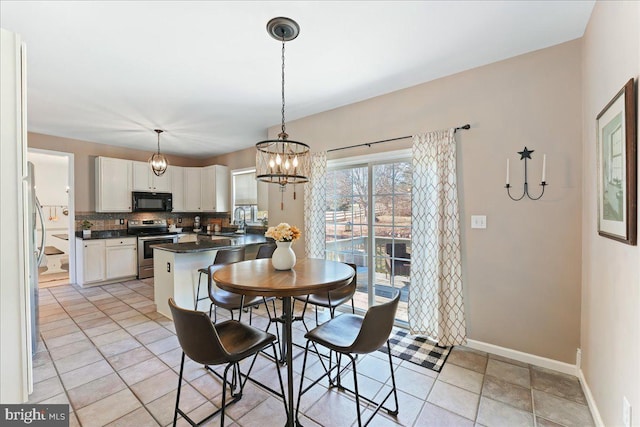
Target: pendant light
283	161
158	161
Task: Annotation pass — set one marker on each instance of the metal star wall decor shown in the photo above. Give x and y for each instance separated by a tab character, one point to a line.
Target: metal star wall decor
525	153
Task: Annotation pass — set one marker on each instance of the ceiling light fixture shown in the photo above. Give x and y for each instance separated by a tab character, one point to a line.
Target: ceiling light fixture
282	161
158	161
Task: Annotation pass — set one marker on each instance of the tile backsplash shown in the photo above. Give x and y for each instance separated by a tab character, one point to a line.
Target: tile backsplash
111	221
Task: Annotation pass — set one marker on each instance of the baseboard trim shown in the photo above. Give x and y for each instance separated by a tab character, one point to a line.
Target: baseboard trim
597	419
520	356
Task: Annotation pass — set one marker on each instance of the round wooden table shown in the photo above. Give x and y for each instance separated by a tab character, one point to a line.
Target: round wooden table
258	277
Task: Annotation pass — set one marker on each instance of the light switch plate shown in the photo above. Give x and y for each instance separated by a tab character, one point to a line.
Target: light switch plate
478	221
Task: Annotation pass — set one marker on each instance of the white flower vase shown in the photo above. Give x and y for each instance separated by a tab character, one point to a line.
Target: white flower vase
86	233
283	257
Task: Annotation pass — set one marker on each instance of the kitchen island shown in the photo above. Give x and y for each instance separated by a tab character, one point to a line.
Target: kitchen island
175	267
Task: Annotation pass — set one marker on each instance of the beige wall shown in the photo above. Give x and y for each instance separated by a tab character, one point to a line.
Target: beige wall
610	335
521	274
84	162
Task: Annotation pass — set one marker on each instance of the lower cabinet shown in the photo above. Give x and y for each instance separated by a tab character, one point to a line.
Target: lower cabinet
92	265
121	258
106	260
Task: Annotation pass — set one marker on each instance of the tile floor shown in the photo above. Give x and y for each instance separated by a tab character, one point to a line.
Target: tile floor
114	359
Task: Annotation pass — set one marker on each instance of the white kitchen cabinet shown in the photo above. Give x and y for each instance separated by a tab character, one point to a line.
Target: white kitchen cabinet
101	261
177	188
113	185
91	265
192	189
121	258
215	189
145	180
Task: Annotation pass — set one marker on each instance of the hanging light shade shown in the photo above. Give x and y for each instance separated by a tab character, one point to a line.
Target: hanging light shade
158	161
283	161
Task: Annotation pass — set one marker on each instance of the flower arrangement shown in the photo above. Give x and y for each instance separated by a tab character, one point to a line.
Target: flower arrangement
283	232
86	225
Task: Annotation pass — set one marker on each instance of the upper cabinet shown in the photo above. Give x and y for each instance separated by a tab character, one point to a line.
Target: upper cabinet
113	185
177	188
145	180
192	190
215	189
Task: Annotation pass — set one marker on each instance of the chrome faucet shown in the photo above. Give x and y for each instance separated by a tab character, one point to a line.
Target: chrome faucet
240	222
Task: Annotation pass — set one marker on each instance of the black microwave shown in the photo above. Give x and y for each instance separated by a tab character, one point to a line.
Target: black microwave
144	201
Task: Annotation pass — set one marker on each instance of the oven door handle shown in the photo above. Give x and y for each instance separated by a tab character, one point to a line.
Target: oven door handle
147	238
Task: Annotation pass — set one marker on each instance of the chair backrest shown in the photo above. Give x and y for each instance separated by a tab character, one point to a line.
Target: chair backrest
344	293
223	257
398	250
376	326
197	336
229	256
266	251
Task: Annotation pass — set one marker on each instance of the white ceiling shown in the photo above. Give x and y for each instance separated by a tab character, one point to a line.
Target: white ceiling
209	74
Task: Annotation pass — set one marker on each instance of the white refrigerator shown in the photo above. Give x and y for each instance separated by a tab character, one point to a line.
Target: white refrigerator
35	216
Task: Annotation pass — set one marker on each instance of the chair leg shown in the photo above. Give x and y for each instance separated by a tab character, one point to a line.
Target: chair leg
353	307
304	366
195	305
393	382
357	392
224	392
272	319
275	360
175	413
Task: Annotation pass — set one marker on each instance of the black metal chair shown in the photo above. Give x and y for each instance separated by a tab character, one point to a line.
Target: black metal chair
330	300
266	251
398	261
228	342
223	257
350	335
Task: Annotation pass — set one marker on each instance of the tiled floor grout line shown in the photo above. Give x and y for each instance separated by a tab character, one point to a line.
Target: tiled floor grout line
106	359
156	356
66	300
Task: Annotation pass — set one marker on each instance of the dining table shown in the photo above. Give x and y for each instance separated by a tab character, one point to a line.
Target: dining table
259	278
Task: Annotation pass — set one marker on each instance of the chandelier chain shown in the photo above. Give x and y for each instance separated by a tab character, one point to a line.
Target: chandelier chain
283	125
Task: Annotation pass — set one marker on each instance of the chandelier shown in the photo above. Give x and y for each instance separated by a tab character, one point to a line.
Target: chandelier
158	161
283	161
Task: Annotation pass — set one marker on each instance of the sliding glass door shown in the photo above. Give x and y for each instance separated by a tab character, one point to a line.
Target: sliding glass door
368	223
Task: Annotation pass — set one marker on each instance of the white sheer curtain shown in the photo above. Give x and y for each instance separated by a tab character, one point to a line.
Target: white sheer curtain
314	207
436	308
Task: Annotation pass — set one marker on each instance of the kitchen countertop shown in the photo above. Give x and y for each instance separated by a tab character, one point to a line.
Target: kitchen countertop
105	234
219	243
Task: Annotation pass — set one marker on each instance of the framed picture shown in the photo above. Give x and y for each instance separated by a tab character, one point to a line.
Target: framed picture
617	167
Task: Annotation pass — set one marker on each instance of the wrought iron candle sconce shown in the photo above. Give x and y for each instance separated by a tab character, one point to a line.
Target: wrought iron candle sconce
524	155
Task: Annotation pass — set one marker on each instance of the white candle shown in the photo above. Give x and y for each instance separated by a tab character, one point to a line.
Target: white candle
507	171
544	168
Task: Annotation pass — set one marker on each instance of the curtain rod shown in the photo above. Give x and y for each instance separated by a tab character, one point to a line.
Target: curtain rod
369	144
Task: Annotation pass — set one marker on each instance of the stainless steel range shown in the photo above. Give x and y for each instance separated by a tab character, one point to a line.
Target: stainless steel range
150	232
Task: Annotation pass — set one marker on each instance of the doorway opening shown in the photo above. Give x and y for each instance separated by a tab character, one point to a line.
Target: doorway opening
53	179
368	223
